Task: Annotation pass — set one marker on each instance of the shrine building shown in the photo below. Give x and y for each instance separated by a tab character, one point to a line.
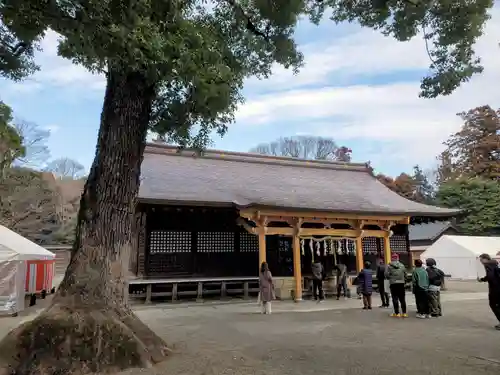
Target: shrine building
220	215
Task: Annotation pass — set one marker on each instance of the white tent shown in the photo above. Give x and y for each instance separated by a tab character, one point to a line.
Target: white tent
15	250
458	256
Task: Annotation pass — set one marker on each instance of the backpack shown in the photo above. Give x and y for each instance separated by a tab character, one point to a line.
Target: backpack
435	277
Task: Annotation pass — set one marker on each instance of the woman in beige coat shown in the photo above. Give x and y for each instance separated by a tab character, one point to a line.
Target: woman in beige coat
266	288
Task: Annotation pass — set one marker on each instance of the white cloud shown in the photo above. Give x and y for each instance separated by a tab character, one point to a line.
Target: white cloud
364	52
57	72
391	114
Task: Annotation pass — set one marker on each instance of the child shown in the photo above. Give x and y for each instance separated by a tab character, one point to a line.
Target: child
365	278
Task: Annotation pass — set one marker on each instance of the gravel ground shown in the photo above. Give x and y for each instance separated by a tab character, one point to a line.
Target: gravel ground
217	341
339	338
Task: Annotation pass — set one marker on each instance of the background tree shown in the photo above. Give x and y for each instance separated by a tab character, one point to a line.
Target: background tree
173	65
305	147
445	170
35	139
28	204
415	187
65	233
66	168
424	189
474	151
480	200
404	184
11	142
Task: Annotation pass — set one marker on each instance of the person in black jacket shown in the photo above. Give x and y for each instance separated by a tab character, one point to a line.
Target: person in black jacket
493	279
384	294
436	280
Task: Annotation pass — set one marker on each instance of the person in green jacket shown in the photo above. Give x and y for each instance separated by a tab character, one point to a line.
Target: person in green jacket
420	285
395	272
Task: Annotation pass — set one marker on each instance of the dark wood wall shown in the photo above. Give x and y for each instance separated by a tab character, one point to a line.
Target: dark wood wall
207	242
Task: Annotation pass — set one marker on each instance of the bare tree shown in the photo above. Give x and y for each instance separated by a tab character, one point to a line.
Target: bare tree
66	168
28	204
35	143
11	142
305	147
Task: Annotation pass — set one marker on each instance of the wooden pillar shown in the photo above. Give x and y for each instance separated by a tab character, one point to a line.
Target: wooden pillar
387	249
262	245
297	271
138	251
359	254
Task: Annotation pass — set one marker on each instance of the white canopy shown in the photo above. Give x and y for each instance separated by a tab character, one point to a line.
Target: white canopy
15	247
458	255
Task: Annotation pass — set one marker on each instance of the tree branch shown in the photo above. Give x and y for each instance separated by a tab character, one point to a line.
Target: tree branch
250	25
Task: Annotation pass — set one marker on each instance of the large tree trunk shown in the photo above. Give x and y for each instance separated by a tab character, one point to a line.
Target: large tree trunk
89	327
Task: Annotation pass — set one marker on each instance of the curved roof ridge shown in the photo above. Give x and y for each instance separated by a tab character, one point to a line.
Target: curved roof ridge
248	157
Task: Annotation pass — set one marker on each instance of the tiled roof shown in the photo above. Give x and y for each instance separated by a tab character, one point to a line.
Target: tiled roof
243	180
428	231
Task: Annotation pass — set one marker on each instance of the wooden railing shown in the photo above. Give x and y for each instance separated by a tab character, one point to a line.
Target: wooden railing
195	287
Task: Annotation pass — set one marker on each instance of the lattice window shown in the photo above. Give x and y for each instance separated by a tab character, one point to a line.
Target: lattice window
398	244
248	243
369	245
215	242
163	242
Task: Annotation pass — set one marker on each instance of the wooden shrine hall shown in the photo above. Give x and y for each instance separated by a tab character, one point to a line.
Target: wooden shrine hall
218	216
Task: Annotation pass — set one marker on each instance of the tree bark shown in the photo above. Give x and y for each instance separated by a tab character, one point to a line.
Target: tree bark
89	326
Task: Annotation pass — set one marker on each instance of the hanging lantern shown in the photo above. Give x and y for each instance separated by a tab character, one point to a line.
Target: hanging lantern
302	246
318	247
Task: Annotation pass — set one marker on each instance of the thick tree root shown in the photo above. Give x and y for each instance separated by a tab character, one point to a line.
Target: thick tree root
80	341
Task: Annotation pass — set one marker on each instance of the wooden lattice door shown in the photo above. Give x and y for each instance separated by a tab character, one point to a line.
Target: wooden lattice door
169	253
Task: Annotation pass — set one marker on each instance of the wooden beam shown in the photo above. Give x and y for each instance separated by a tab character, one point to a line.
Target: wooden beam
241	222
251	212
325	221
374	233
280	231
388	225
306	232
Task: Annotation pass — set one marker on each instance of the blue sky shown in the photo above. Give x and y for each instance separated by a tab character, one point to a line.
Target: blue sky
358	87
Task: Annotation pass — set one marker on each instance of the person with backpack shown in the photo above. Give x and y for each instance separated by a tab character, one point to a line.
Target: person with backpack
493	279
395	272
436	278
